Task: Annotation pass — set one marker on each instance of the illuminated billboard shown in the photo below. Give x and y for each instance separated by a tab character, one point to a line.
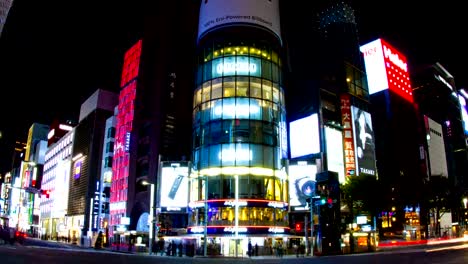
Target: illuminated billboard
304	136
335	157
364	145
301	180
174	187
436	147
348	139
462	98
386	68
217	13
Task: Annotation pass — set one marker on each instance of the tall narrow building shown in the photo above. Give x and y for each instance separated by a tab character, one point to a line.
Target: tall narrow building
152	123
239	189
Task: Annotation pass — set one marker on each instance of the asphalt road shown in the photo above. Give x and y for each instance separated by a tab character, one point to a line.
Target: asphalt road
57	253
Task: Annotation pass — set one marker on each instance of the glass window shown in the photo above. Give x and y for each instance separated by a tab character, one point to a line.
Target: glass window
241	132
229	87
199	74
205	113
196	137
267	114
215	160
266	69
274	57
275	74
216	132
196	157
256	135
207	71
204	157
266	88
255	109
242	108
257	155
196	116
217	88
206	91
197	96
111	132
229	110
242	86
255	67
255	87
275	93
228	154
243	154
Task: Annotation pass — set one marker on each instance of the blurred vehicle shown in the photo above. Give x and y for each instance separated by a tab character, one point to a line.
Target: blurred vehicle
20	236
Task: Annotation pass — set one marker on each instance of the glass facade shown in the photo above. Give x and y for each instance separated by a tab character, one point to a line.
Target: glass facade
239	139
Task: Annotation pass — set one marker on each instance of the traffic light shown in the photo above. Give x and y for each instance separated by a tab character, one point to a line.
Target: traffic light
46	193
298	227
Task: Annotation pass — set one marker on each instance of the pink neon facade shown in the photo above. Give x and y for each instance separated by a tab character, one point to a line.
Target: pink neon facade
124	120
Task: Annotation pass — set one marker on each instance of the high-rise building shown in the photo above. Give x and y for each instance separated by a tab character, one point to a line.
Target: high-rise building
239	183
31	177
153	116
442	105
82	208
398	138
55	185
328	107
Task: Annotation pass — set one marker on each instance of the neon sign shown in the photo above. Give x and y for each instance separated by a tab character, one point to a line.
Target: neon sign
234	229
228	68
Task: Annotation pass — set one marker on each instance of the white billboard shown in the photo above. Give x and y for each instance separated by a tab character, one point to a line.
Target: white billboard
304	138
335	156
214	13
174	187
436	145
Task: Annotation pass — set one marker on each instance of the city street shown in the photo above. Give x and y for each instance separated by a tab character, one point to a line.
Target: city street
37	251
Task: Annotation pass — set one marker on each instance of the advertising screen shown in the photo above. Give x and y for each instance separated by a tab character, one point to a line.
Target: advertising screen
174	186
335	157
304	136
386	68
214	13
364	145
301	180
464	110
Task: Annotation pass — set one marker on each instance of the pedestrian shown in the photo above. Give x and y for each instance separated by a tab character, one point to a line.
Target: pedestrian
249	249
256	249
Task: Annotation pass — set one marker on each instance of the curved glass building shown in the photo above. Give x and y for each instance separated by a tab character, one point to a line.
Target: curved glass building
238	187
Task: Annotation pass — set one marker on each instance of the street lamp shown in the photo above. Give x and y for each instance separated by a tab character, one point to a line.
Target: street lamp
465	202
152	221
205	231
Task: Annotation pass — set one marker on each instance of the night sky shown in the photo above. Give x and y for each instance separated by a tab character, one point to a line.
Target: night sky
55	54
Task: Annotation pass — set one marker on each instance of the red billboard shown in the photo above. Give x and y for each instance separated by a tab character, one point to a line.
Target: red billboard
386	68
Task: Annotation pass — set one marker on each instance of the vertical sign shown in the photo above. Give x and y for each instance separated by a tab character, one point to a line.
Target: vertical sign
348	141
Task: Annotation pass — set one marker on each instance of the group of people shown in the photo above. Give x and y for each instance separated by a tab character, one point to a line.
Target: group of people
252	251
7	235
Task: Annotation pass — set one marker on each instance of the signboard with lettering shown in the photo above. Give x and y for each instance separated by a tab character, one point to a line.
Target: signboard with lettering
386	68
215	13
348	141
